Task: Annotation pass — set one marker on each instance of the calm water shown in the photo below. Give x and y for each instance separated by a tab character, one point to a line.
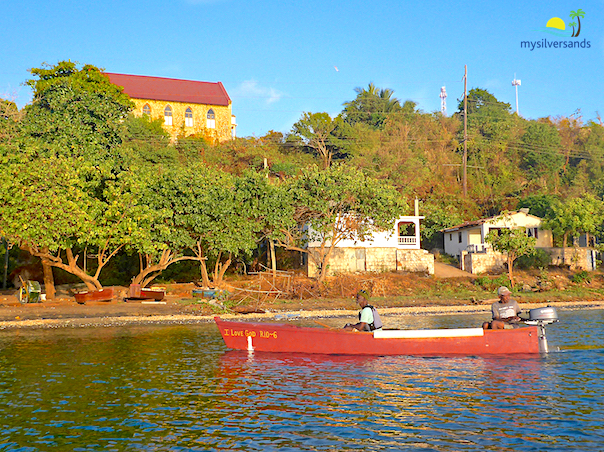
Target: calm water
179	389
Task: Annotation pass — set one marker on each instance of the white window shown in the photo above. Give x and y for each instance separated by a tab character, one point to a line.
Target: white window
168	115
147	110
211	121
189	117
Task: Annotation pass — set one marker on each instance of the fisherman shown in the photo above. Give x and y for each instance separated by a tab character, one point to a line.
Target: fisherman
505	311
369	319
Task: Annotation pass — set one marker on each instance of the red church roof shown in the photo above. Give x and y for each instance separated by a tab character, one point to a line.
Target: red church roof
171	90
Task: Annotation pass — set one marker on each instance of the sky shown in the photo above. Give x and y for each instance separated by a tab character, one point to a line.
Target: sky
278	59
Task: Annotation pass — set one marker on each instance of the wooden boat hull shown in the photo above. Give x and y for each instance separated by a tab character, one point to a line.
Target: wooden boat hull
274	337
105	294
136	292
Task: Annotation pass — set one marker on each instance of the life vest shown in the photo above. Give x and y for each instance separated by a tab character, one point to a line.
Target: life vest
377	322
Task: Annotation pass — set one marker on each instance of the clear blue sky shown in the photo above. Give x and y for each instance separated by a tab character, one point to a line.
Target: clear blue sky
278	59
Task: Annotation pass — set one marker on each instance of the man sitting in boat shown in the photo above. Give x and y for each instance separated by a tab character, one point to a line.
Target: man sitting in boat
505	311
369	319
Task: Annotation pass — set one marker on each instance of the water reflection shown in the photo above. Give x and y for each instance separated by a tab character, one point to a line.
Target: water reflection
178	388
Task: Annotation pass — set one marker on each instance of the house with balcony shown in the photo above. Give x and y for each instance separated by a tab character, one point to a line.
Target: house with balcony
397	249
186	107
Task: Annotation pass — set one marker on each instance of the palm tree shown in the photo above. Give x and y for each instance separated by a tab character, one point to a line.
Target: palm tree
371	106
572	24
578	14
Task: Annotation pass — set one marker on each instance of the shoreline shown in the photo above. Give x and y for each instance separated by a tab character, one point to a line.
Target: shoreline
189	319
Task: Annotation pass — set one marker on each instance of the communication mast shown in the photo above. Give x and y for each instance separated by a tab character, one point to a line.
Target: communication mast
443	101
516	83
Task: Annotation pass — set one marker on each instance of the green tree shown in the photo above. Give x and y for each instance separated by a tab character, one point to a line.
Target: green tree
573	216
9	120
481	101
336	204
79	111
512	242
206	215
372	106
76	118
539	205
541	157
49	209
316	132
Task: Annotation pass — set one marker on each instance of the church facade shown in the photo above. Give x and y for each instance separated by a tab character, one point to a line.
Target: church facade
186	107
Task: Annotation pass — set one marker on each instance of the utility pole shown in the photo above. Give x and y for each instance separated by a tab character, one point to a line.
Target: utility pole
465	131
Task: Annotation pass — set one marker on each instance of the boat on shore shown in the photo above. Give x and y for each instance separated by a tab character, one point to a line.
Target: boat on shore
105	294
280	337
136	292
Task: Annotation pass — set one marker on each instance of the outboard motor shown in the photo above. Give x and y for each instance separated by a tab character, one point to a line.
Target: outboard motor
541	317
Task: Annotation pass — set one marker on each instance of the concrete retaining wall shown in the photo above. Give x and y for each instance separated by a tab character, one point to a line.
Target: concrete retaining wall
351	260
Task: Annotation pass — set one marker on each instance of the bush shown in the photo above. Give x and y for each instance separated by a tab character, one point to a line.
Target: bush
491	284
581	277
537	259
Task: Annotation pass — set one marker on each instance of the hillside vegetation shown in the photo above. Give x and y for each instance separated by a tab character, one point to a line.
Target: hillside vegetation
103	196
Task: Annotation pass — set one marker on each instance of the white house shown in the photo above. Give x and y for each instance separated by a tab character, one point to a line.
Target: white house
395	249
467	242
470	236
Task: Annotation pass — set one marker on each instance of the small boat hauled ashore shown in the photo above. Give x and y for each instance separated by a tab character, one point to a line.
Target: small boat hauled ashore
279	337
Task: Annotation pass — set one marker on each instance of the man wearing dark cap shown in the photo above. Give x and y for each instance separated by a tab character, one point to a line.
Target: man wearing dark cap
369	319
505	311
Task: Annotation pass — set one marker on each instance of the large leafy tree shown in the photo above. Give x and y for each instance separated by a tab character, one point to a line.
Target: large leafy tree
206	215
50	210
77	109
336	204
316	130
372	106
75	123
481	101
573	216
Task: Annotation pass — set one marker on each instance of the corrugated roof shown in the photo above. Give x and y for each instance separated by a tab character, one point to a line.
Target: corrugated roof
469	224
171	89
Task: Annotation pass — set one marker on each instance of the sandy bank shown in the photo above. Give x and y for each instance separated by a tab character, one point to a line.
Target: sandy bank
171	319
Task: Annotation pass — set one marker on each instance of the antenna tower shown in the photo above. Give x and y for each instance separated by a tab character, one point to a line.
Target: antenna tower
443	101
516	83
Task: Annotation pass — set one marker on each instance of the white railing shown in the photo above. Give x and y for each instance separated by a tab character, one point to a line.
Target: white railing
407	240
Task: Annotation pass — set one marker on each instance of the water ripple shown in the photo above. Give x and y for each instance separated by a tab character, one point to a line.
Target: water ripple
179	389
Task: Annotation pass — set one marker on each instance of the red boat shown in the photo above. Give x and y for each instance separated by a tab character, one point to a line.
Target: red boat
136	292
279	337
105	294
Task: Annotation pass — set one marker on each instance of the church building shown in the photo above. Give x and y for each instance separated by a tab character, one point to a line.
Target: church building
186	107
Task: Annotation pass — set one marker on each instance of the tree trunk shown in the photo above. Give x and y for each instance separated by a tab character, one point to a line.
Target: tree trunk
49	281
220	270
510	267
205	279
273	260
564	243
